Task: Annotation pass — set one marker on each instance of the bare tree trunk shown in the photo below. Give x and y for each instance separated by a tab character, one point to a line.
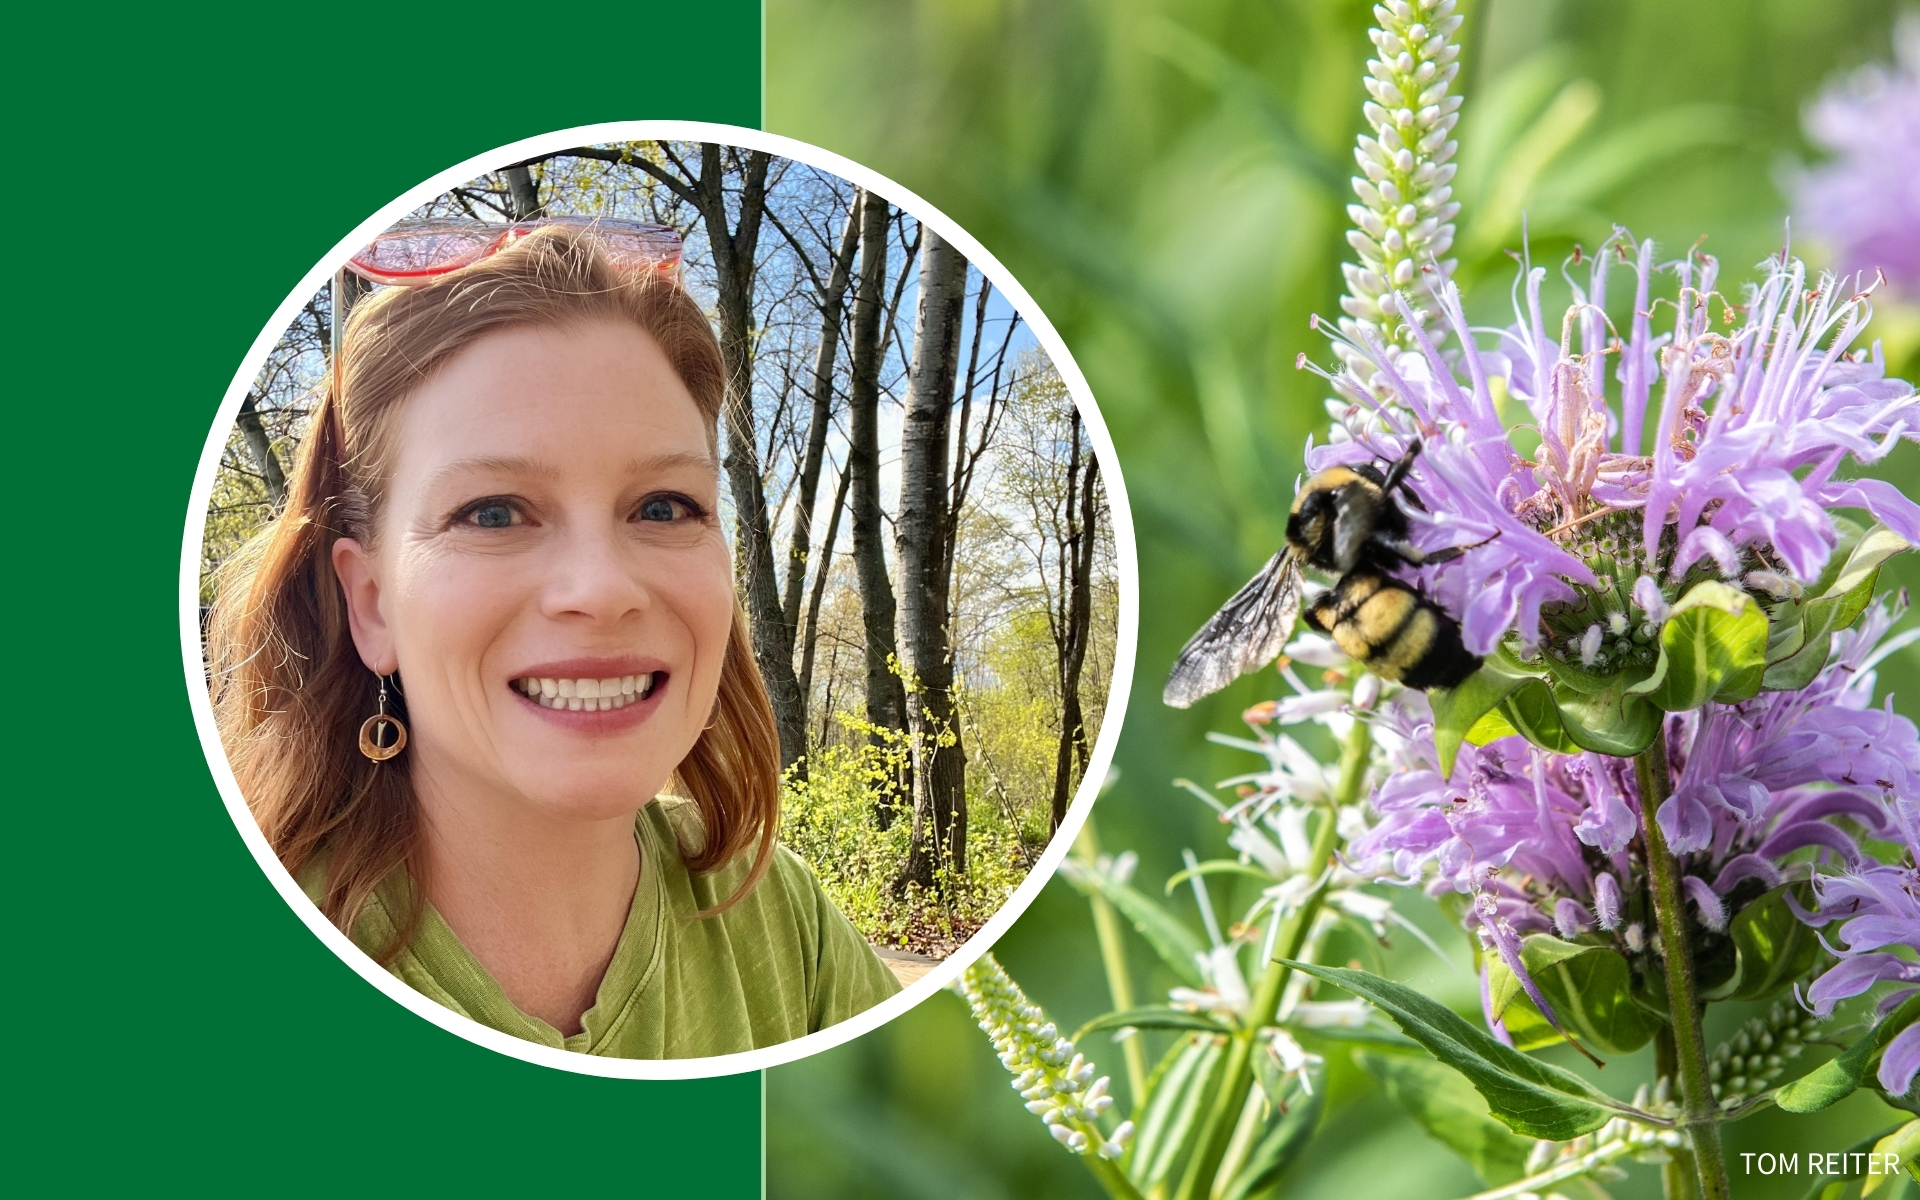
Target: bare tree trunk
886	695
735	251
832	309
826	707
812	636
260	446
939	811
1077	599
523	198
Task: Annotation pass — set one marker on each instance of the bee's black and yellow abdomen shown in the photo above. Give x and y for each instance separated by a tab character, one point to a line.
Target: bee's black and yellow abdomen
1398	633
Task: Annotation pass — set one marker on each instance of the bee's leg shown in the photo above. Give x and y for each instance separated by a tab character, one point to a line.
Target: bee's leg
1416	558
1401	549
1397	473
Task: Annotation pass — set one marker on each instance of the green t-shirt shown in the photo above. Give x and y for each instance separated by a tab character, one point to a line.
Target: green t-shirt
781	963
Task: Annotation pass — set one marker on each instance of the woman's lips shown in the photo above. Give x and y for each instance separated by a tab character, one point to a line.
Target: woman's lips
589	695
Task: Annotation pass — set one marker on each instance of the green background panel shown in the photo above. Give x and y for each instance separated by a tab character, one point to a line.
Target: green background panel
174	175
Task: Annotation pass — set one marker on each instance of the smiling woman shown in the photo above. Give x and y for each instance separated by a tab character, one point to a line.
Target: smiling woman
503	532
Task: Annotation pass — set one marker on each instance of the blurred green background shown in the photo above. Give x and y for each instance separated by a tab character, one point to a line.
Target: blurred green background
1169	180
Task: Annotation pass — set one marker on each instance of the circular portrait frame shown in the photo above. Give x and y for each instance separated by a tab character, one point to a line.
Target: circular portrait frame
940	976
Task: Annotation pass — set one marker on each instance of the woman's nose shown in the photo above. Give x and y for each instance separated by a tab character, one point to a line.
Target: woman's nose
595	575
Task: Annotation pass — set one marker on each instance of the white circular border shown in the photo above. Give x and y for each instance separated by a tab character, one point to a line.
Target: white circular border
671	1068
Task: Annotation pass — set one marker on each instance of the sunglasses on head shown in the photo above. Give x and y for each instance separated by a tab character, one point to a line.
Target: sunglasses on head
416	252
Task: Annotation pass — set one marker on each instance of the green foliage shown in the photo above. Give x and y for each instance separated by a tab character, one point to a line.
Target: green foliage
1718	644
1177	1091
1459	713
1771	946
1529	1096
829	820
1798	641
1713	647
1158	1017
1280	1145
1589	986
1176	945
1834	1080
1441	1101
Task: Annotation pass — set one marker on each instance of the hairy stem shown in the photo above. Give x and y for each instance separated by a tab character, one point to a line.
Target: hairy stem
1700	1115
1679	1179
1113	953
1236	1078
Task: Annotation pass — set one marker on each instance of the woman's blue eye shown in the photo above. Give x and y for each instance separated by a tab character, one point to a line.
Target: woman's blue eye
493	516
659	508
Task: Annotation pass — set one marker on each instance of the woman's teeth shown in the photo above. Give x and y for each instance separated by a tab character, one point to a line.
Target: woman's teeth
588	695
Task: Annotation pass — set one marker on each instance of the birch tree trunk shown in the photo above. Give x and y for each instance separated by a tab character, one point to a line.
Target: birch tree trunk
886	695
939	810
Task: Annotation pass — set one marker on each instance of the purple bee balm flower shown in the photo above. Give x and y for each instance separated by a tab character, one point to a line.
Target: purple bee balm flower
1901	1061
1509	807
1546	843
1877	913
1753	427
1751	431
1865	202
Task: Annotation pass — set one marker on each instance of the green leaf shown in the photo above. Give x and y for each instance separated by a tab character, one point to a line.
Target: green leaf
1535	715
1529	1096
1833	1081
1154	1018
1771	947
1538	953
1713	647
1279	1146
1571	677
1441	1102
1457	712
1175	1093
1834	603
1217	866
1904	1144
1589	987
1876	546
1176	945
1847	535
1491	728
1610	722
1360	1035
1853	1165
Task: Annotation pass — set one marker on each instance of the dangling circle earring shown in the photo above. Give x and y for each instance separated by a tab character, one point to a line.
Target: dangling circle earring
370	731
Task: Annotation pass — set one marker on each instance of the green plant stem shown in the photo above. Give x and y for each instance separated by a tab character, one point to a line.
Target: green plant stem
1112	1178
1700	1115
1605	1153
1678	1177
1236	1078
1113	953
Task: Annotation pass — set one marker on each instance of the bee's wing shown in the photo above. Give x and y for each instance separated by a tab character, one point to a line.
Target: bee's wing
1246	634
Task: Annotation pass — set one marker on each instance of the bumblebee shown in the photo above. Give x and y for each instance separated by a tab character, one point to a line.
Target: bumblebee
1345	522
